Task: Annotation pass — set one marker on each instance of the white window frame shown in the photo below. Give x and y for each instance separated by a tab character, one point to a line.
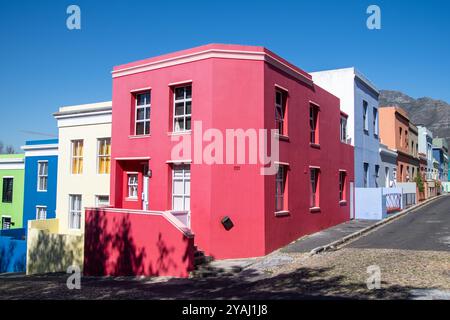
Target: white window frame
314	185
185	177
143	107
37	212
185	116
343	127
132	185
375	121
280	111
40	176
314	124
75	213
97	200
10	222
73	156
100	156
366	116
366	174
280	177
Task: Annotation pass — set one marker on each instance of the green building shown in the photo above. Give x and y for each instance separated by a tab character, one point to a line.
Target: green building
12	169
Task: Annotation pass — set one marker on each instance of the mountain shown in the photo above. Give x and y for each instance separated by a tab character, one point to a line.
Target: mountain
433	114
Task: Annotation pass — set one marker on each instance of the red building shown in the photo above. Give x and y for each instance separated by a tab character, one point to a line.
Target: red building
233	209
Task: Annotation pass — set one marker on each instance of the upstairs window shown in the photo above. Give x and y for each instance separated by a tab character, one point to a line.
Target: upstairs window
77	157
133	186
342	181
365	116
103	155
401	140
314	180
42	176
280	111
375	121
142	126
314	124
280	186
8	183
182	108
343	132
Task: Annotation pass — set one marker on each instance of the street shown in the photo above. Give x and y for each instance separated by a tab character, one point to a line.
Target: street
412	254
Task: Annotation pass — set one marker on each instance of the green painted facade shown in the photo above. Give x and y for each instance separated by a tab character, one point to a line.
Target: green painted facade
15	208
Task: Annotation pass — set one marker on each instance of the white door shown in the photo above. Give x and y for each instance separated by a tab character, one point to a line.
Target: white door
352	202
145	193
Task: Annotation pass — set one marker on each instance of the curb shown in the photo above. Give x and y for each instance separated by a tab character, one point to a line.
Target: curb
333	245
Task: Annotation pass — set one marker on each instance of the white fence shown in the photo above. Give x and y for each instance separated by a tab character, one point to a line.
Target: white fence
376	203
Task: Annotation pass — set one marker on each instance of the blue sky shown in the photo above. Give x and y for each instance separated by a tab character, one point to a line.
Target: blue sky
44	65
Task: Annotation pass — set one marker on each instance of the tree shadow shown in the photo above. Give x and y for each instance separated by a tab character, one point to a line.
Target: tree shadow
12	255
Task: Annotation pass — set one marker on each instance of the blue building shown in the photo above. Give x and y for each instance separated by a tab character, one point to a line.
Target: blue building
440	153
41	171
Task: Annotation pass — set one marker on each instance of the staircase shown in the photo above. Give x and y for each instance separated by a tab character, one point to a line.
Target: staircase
206	267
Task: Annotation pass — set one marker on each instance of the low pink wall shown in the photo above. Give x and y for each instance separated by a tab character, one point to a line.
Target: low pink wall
120	243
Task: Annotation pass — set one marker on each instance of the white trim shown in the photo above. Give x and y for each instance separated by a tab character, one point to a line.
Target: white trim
179	83
140	90
12	166
213	53
40	150
39	176
314	103
282	163
281	88
131	158
314	167
37	212
187	161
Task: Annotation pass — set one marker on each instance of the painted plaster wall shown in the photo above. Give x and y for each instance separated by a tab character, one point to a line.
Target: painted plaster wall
33	197
370	203
390	162
89	183
351	91
237	191
12	254
425	140
14	209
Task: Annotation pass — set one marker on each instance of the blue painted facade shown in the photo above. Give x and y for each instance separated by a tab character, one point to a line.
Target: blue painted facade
35	152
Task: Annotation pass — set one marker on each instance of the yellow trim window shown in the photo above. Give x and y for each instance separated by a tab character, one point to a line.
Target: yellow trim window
104	156
77	157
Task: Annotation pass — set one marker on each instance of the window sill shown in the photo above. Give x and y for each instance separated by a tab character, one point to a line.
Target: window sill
283	213
42	191
131	199
343	202
282	137
140	136
314	145
314	209
179	133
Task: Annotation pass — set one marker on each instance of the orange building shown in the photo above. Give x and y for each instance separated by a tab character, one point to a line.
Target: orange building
399	134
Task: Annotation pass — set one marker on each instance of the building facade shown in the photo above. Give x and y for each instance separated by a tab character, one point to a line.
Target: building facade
194	97
11	190
84	151
426	147
395	133
359	100
440	153
41	171
388	167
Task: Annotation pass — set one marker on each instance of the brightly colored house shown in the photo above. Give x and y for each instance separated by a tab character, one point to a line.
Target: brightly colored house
83	181
161	197
41	172
11	190
359	100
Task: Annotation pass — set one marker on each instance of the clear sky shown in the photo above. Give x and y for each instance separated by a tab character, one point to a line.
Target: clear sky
44	65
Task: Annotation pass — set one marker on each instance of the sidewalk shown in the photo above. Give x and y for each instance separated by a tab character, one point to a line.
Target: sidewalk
324	237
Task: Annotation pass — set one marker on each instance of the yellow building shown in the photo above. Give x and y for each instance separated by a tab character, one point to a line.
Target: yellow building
83	181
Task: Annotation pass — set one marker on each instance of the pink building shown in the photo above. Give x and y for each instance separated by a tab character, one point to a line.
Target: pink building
163	204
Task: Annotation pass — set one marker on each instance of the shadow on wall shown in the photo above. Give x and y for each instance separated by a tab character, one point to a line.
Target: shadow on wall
53	252
124	244
12	255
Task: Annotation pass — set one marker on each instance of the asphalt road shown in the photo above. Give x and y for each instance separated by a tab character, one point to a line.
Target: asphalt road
427	228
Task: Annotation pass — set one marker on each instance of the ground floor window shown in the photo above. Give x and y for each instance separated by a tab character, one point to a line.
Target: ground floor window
314	178
342	181
75	211
6	222
181	187
41	212
101	201
132	185
280	186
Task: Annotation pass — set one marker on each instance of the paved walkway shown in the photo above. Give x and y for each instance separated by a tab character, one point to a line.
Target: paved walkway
321	238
